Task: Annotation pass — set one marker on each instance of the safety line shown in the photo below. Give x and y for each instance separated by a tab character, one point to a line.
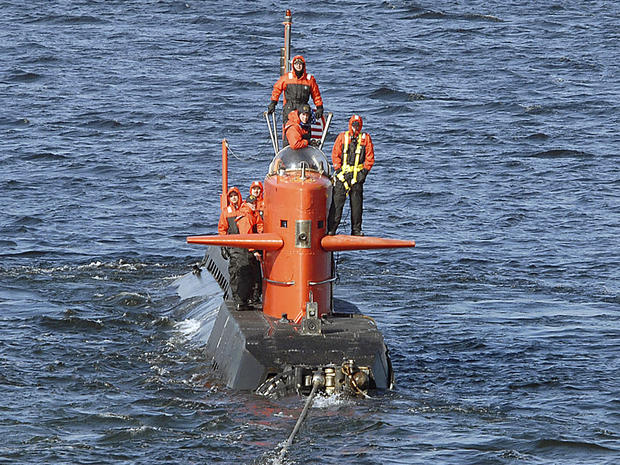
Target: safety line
315	386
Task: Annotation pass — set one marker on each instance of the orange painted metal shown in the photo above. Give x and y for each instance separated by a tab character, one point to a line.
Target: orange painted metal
342	242
297	259
245	241
296	205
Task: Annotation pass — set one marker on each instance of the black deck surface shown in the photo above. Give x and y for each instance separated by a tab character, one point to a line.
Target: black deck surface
248	346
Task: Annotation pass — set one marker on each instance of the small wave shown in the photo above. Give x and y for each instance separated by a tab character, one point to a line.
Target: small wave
116	265
119	265
43	59
458	17
538	136
202	19
531	385
432	15
119	436
562	444
188	327
30	253
28	221
68	19
130	299
69	322
102	124
535	109
6	122
24	76
385	93
561	153
479	17
335	400
41	156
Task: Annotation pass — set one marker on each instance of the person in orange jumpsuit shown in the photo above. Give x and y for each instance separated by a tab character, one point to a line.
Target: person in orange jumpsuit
297	128
227	224
256	189
249	220
298	86
352	156
244	266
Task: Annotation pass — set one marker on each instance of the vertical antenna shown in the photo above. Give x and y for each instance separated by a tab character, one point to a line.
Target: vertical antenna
224	196
285	52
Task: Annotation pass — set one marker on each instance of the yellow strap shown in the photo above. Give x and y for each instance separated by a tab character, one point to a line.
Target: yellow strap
357	167
344	182
349	168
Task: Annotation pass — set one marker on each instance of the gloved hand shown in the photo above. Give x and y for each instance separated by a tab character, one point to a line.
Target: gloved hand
319	112
314	142
361	176
272	107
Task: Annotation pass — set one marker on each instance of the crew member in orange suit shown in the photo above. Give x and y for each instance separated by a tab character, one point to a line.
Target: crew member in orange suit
298	86
297	128
227	224
244	266
249	220
352	156
256	189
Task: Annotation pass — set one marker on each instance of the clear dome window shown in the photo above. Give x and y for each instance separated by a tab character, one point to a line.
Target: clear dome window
310	158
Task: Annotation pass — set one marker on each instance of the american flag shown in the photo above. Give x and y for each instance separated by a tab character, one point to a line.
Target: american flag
316	130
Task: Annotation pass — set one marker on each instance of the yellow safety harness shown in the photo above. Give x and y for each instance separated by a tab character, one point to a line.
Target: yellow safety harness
346	168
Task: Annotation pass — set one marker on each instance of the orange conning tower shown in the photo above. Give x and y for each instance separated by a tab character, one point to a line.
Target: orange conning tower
301	270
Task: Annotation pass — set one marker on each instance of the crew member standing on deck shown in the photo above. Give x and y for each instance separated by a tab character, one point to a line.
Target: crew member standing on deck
244	266
256	189
352	156
298	86
227	224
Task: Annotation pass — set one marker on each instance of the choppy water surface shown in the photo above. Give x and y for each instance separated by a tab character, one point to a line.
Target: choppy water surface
496	134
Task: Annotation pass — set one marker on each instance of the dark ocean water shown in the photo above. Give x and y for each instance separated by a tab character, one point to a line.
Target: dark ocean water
496	131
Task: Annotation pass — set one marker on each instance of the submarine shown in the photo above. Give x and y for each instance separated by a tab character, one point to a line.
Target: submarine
298	332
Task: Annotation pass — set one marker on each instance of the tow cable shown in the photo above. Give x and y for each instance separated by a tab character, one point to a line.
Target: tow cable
318	380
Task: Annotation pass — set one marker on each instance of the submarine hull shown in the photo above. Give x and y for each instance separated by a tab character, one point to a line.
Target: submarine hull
252	351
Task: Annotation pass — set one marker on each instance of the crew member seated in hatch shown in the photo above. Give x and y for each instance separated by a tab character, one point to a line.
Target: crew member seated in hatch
227	224
297	86
244	265
297	128
256	189
352	156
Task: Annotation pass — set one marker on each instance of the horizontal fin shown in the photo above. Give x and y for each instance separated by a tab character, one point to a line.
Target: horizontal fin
266	241
342	242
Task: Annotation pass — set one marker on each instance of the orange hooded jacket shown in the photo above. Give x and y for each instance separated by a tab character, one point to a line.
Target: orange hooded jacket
227	224
294	132
297	90
249	220
367	153
260	203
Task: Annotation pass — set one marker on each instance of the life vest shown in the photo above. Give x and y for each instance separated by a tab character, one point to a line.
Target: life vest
356	167
231	219
297	90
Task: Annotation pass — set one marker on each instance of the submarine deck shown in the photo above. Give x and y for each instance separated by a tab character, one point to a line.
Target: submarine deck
248	347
